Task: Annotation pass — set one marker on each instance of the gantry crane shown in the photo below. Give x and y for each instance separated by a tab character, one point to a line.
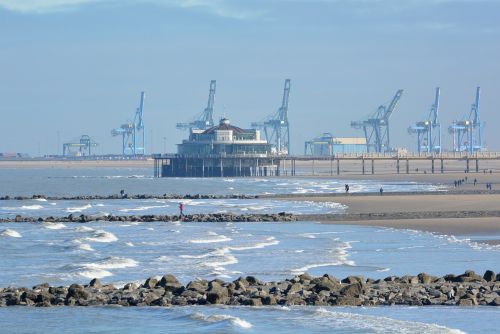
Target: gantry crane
468	133
81	148
429	130
133	133
206	119
376	127
276	127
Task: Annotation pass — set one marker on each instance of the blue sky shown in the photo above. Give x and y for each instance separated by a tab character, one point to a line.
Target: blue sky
77	66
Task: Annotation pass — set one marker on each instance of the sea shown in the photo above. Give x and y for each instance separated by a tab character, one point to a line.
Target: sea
122	252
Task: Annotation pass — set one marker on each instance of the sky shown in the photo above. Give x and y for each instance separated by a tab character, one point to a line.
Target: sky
74	67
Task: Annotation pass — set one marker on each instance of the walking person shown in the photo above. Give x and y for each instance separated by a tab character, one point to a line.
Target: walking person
381	191
181	209
346	188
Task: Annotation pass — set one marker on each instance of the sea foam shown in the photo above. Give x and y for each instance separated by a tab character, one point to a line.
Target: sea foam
10	233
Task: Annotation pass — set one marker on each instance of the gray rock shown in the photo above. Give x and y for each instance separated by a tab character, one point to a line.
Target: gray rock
489	276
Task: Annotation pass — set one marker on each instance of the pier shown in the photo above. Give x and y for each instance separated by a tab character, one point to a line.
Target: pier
176	165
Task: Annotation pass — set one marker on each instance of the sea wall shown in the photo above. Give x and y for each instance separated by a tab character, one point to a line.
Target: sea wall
468	289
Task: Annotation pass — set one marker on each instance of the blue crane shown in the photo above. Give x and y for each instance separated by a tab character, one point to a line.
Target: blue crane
468	133
206	119
133	133
429	130
376	127
276	127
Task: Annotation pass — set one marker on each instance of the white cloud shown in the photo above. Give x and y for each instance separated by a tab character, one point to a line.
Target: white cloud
221	8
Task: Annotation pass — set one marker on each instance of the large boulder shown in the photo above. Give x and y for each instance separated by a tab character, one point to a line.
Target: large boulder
489	276
354	279
77	291
352	290
150	283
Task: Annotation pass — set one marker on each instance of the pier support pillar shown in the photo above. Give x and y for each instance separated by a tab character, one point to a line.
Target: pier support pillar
397	165
477	165
363	165
442	165
432	167
467	165
331	166
373	166
338	166
407	166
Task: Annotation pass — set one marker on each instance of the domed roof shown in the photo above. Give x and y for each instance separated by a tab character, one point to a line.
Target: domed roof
224	124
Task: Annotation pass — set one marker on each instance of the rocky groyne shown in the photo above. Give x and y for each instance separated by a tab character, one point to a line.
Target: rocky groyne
202	217
125	196
468	289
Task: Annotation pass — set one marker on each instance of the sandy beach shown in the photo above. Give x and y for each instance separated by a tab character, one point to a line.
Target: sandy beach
452	213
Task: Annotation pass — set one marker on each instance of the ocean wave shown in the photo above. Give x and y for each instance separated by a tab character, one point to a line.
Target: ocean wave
378	324
95	273
10	233
40	199
305	268
54	226
112	262
84	229
78	209
143	208
222	319
85	247
215	239
102	236
271	241
32	207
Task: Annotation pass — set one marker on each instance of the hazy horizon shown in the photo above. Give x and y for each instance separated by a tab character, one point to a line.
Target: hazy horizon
74	67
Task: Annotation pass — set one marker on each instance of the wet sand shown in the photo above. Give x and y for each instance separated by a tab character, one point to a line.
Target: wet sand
453	213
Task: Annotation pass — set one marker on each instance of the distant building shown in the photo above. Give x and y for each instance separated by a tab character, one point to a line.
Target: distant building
224	150
327	144
224	139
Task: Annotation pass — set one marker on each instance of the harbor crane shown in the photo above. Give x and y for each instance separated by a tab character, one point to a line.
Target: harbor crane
376	127
468	133
206	119
82	148
276	127
429	130
133	133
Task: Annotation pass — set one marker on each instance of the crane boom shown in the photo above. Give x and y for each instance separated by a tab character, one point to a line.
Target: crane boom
206	119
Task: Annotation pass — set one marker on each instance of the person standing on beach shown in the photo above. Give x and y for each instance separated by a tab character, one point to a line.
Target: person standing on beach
181	209
381	191
346	188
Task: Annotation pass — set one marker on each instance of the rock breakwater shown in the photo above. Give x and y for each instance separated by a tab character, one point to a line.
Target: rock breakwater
467	289
126	196
207	217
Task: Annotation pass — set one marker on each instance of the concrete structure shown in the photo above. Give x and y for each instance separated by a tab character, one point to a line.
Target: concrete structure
328	145
223	150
